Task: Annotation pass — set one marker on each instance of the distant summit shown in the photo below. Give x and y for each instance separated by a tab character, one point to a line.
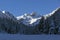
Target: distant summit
29	19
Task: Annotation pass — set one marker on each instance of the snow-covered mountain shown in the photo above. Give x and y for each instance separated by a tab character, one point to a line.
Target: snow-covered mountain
29	19
30	23
8	22
50	23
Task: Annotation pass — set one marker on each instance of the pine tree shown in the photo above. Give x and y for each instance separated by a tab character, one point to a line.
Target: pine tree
46	27
39	28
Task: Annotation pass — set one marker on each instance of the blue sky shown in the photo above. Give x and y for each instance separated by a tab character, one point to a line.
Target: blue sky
19	7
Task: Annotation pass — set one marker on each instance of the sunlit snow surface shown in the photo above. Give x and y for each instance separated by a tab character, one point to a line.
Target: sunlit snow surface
3	11
28	37
50	14
29	19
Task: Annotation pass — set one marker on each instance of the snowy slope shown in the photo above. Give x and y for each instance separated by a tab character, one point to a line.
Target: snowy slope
29	19
28	37
52	13
7	22
33	18
6	14
53	21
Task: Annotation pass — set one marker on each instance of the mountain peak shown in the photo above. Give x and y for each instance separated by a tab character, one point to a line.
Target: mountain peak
7	15
29	19
55	11
52	13
3	11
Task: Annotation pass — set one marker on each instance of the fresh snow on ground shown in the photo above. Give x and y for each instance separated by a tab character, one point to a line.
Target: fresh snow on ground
28	37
